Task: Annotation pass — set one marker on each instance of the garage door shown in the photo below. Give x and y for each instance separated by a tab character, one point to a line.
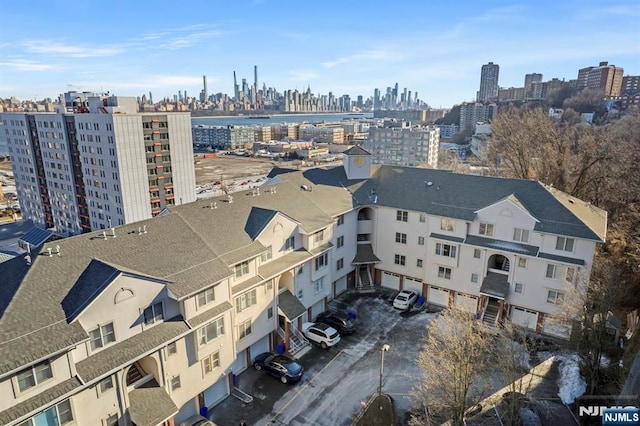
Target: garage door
524	317
341	285
390	280
240	364
259	347
438	296
217	392
316	309
467	303
556	328
412	284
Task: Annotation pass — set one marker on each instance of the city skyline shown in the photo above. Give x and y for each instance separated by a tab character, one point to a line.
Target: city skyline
435	49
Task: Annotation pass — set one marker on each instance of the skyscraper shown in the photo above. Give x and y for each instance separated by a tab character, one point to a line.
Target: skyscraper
206	92
529	79
110	166
488	82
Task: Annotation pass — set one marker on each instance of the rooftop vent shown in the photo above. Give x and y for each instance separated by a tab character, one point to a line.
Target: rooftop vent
58	250
49	251
27	258
572	201
104	235
428	183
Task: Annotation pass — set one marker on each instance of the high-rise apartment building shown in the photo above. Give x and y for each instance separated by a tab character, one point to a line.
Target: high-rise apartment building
79	172
401	144
218	137
630	85
488	82
529	79
473	113
605	77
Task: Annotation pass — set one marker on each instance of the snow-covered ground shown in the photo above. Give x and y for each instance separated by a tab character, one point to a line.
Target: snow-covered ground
335	392
571	383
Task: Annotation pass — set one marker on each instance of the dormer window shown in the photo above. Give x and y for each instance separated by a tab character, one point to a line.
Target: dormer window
153	313
102	336
521	235
486	229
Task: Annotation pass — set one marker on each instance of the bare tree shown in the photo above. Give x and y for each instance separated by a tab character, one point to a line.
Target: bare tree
455	350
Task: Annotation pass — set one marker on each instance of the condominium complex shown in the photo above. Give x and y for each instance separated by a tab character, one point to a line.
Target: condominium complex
399	143
229	137
147	323
473	113
309	132
80	172
488	82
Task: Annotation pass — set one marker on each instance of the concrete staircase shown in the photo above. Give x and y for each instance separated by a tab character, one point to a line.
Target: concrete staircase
364	281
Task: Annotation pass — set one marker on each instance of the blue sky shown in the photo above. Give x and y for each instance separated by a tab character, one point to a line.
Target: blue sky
131	47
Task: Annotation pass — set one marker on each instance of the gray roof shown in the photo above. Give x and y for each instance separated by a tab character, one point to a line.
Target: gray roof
257	220
290	306
563	259
131	349
459	196
210	314
365	254
246	284
150	405
446	237
510	246
15	229
496	285
39	401
276	267
356	150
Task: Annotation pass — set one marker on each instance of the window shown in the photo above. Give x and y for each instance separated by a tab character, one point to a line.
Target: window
399	259
521	235
401	238
477	253
419	263
244	329
270	312
486	229
559	272
175	383
339	264
444	272
446	250
59	414
318	236
246	300
555	297
318	285
153	313
210	331
420	241
518	288
34	375
564	244
268	255
290	243
340	220
112	420
242	269
105	385
340	241
474	278
446	224
423	218
205	297
402	216
211	362
101	336
322	261
268	287
172	348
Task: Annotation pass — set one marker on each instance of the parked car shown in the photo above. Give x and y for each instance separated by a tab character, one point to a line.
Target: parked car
287	369
405	299
341	321
197	420
321	334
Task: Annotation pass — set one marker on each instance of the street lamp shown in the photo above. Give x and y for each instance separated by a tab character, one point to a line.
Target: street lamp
385	348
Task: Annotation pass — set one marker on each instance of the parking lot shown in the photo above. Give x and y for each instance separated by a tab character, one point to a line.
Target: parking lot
338	379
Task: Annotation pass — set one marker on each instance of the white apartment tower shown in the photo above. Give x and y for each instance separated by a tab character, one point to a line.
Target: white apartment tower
401	144
78	172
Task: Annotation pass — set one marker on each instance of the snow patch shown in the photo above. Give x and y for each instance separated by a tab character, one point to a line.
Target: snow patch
571	383
544	355
605	362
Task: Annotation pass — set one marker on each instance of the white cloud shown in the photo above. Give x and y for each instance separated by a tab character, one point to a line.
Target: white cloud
377	55
27	65
51	47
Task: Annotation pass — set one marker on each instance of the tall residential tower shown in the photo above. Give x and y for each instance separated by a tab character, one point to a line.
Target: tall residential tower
488	82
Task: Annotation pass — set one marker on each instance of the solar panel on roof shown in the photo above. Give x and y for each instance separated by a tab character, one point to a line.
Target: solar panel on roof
36	236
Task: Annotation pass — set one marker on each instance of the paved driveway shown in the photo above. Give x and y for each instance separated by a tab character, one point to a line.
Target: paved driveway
338	379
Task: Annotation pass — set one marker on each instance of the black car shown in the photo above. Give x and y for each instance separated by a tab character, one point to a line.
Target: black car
281	366
341	321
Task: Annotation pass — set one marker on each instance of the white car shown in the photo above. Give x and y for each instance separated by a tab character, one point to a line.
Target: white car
321	334
405	299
